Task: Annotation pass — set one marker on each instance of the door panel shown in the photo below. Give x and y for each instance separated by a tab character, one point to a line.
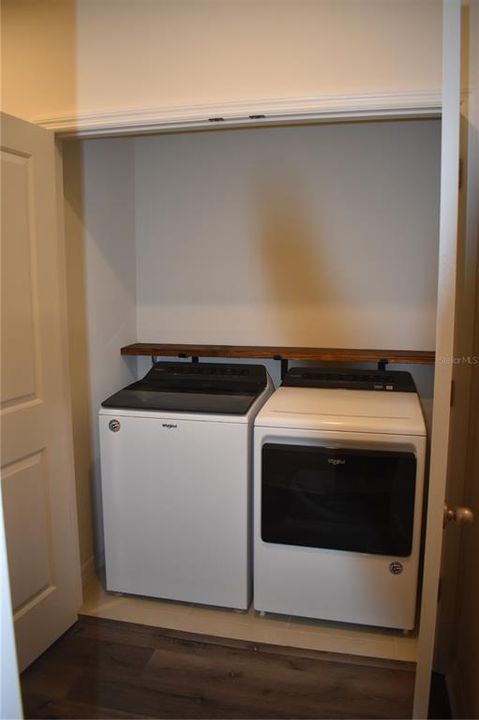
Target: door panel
37	468
458	629
18	327
25	500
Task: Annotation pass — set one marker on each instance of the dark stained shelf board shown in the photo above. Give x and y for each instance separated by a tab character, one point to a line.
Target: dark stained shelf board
406	357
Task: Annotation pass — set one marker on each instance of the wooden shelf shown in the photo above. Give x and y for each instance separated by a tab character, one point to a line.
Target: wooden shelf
406	357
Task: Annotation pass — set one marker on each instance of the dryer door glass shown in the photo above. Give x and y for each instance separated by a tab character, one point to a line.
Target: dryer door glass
342	499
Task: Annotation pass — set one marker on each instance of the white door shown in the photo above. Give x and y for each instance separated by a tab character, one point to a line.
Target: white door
445	346
10	702
457	641
37	455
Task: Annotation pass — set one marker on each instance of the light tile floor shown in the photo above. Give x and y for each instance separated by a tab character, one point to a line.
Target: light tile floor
275	629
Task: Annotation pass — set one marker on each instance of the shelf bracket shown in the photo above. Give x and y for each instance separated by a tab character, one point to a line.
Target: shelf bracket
284	365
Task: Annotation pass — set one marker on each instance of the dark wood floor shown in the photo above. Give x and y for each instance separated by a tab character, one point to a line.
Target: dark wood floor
109	669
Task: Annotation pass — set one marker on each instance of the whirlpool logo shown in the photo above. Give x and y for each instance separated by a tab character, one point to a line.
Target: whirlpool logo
336	461
169	426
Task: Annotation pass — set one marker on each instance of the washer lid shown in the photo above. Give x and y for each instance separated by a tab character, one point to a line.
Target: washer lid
217	388
363	411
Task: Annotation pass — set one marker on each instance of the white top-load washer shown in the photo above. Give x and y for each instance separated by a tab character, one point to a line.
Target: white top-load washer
176	466
339	478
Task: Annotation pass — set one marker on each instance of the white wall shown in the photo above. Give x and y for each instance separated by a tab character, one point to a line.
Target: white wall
101	282
322	235
81	56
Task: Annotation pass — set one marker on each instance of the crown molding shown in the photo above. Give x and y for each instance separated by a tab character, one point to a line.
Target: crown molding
260	111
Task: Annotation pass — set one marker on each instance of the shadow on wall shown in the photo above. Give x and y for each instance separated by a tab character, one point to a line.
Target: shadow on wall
295	274
101	276
88	499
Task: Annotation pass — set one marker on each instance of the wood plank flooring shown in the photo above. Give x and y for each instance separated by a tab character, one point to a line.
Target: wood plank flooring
110	669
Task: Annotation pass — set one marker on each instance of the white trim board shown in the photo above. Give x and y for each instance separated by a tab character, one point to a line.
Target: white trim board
259	111
445	347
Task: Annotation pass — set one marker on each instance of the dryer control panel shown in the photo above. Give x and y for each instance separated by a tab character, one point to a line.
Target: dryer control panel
350	379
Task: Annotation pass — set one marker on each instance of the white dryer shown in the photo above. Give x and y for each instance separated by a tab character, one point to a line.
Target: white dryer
339	480
176	466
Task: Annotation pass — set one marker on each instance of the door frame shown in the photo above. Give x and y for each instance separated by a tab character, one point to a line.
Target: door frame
445	337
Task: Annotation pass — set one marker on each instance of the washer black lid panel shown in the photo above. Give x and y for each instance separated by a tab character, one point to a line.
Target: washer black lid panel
219	388
350	379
